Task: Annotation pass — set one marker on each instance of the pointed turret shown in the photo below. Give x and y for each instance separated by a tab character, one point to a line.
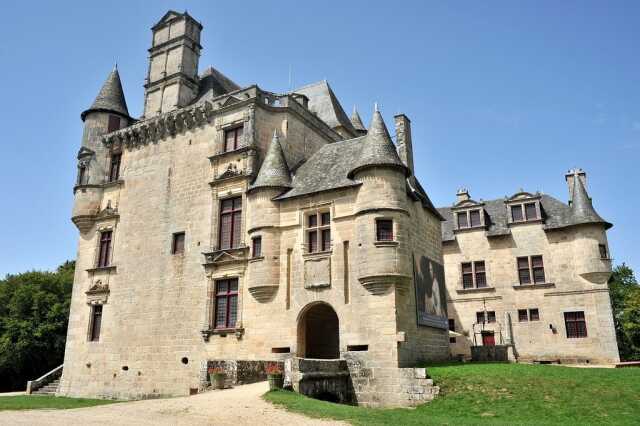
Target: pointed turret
357	122
377	147
581	205
110	98
274	172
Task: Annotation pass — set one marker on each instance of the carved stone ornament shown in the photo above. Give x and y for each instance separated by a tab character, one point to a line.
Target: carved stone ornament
98	293
263	293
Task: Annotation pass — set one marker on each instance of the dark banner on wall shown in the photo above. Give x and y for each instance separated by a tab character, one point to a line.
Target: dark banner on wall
431	303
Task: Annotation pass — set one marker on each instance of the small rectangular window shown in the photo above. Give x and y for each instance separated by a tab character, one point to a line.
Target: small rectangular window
384	230
114	169
256	249
480	275
530	211
516	213
232	138
534	314
318	232
104	252
452	327
357	348
177	246
474	216
462	220
325	218
491	316
326	239
467	275
522	315
538	269
524	273
480	317
603	251
114	123
575	324
96	323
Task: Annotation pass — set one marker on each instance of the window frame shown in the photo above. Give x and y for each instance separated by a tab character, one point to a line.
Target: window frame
96	311
474	273
237	139
452	327
113	123
82	174
578	332
175	242
604	251
524	212
318	233
390	236
531	270
228	295
466	214
234	213
537	314
523	315
256	241
114	166
105	248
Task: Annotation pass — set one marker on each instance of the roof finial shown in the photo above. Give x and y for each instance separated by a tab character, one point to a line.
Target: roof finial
115	66
375	106
275	133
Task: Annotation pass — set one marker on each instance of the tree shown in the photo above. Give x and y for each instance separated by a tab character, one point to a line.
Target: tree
34	311
625	302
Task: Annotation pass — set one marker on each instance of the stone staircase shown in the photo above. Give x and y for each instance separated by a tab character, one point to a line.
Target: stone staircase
48	389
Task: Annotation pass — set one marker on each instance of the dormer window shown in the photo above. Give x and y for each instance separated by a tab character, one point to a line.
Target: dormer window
524	207
469	219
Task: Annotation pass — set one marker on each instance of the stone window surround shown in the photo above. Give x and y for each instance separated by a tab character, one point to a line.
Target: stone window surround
92	307
522	202
253	254
326	207
460	288
395	231
570	310
532	283
467	210
221	131
98	233
222	196
527	315
209	328
174	247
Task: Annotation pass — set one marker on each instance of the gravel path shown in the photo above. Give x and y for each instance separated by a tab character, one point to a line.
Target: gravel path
241	405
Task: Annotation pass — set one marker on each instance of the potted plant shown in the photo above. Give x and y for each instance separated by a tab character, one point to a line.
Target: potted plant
217	377
275	377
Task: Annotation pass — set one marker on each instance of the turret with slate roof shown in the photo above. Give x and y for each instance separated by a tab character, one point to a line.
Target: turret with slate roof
581	206
274	172
110	98
356	121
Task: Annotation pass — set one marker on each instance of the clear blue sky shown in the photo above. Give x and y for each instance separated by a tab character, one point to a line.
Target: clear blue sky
502	95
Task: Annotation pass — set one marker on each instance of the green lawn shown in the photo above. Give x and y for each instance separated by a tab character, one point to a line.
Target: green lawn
28	402
501	394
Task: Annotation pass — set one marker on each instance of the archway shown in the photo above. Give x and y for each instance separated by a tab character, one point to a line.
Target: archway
318	332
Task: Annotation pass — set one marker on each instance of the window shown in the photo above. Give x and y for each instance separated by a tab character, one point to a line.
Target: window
95	322
462	220
232	138
531	267
474	218
256	246
226	303
603	251
479	317
530	211
452	327
82	174
177	245
575	324
230	223
534	314
384	230
522	315
473	275
491	316
485	316
516	213
114	170
318	232
104	253
469	219
114	123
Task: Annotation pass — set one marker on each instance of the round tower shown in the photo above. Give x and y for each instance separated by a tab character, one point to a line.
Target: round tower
381	211
107	114
263	221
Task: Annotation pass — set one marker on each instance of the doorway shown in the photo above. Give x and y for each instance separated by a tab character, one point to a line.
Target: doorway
318	332
488	338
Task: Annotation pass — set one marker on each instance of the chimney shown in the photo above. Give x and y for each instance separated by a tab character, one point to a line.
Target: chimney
403	135
570	176
462	195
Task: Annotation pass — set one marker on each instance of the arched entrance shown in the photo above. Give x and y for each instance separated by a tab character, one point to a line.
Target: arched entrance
318	332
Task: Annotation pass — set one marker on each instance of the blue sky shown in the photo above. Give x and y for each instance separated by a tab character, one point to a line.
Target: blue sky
502	95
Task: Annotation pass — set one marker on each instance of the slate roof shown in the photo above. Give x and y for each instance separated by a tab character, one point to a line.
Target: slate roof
555	213
356	121
324	103
582	207
274	172
213	84
110	98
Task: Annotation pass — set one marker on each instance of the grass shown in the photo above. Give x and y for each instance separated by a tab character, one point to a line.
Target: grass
501	394
27	402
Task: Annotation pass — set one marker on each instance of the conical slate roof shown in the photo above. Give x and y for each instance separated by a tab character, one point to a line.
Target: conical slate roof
357	121
377	147
110	98
274	172
581	205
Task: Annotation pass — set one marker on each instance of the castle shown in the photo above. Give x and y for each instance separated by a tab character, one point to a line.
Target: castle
235	225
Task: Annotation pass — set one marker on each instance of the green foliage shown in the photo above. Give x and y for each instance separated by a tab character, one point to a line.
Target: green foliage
625	302
495	393
25	402
34	310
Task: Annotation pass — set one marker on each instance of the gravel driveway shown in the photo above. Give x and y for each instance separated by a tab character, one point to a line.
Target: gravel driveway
241	405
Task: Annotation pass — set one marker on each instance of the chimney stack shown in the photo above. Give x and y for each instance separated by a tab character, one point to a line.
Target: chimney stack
462	195
403	134
570	176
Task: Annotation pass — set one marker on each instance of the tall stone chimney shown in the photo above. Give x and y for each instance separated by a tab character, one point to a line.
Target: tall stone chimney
570	176
462	195
403	135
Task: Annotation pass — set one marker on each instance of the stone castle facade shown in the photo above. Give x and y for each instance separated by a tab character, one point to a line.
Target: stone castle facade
235	225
